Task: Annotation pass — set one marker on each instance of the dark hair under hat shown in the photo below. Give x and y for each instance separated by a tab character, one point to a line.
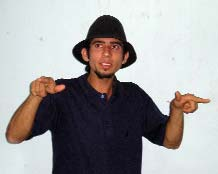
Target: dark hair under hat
105	26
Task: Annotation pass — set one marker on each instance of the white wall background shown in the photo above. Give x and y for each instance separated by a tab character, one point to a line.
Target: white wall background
176	42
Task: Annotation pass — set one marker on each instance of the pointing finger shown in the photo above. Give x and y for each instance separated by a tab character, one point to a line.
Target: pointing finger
59	88
195	98
200	100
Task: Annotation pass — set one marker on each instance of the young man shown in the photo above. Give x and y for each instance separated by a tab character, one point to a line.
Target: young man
96	122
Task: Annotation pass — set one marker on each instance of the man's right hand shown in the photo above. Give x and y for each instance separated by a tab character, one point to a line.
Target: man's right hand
43	86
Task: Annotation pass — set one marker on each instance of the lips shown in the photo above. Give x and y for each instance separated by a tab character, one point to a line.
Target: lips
106	65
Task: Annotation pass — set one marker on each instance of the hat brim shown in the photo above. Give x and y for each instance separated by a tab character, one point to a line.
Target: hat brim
83	44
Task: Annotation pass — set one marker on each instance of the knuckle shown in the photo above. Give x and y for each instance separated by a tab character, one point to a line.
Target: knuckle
51	80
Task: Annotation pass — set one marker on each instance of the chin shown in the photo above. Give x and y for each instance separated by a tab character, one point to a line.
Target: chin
104	75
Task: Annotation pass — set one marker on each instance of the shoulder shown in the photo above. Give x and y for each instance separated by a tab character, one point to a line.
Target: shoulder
66	82
133	90
71	81
73	86
131	87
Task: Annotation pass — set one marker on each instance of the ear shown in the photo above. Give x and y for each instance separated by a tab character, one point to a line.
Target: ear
84	54
126	56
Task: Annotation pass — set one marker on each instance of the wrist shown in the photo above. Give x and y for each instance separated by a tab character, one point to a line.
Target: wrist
175	108
35	98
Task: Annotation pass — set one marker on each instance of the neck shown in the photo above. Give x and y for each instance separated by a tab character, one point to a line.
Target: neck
102	85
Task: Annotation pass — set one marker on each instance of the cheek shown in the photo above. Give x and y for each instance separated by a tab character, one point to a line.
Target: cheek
93	60
94	52
120	59
94	56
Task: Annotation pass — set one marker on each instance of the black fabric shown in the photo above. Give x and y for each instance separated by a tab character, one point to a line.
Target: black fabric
91	135
106	26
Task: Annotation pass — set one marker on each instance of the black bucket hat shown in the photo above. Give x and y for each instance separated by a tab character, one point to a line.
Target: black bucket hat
105	26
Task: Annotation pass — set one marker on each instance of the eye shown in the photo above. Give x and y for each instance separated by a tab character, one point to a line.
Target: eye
98	45
116	46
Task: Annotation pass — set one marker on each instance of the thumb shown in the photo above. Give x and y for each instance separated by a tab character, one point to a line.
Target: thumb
59	88
178	96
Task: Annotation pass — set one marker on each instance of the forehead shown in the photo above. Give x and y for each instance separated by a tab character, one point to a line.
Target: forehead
106	40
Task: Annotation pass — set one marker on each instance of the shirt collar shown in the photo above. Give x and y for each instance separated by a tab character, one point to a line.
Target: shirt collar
93	93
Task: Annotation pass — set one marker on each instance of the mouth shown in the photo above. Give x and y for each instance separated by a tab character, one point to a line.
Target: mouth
105	65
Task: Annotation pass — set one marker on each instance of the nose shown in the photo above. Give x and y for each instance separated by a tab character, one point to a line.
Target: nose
107	51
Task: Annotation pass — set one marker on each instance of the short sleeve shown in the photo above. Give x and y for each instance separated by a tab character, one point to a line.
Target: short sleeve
45	117
154	122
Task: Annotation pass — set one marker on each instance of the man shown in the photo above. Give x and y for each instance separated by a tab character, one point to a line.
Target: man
97	122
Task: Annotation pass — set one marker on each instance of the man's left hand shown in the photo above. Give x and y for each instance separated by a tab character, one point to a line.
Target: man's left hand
187	103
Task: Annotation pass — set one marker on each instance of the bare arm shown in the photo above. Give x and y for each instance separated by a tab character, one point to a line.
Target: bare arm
20	125
181	104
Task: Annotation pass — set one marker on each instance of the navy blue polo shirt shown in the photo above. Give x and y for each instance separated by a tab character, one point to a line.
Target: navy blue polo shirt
91	135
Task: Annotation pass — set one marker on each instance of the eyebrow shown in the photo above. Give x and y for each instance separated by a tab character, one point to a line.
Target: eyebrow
113	42
119	43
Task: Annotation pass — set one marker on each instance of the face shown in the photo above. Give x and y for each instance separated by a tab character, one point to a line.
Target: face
105	57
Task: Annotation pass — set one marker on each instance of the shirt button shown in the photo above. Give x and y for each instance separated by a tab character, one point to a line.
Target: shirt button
102	96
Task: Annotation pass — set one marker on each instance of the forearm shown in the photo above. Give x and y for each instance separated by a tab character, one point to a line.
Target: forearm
174	129
21	123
